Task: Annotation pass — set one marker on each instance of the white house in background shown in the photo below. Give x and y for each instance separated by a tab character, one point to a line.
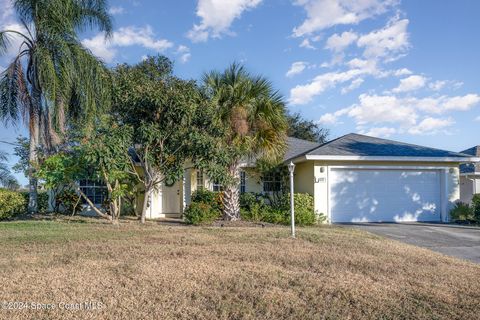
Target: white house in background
470	176
354	178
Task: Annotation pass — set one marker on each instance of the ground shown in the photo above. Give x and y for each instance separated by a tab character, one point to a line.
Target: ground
169	271
455	240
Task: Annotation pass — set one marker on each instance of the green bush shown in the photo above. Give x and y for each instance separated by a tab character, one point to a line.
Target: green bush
462	212
42	201
67	201
11	204
476	207
304	208
200	213
214	199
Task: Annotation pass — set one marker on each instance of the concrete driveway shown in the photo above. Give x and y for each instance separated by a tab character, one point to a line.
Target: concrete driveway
454	240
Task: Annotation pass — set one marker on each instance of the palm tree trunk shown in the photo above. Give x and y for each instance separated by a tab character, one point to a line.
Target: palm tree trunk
34	128
231	196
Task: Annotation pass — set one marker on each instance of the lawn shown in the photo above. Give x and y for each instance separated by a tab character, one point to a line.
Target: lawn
169	271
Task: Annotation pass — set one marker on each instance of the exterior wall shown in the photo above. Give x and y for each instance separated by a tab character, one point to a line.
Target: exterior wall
469	185
449	176
253	182
303	177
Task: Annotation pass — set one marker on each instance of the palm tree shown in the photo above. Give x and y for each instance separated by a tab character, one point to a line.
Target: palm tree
7	180
52	79
253	116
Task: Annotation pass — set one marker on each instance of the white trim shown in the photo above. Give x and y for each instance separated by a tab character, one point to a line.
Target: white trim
389	167
470	174
402	159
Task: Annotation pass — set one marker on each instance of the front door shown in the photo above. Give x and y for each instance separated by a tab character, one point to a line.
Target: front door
171	197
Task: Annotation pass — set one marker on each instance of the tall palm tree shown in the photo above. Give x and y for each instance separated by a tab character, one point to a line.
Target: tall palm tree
53	78
253	115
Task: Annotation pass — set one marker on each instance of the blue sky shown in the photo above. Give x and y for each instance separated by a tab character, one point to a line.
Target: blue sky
405	70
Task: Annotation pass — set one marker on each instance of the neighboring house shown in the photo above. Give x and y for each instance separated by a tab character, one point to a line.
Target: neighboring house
354	178
470	176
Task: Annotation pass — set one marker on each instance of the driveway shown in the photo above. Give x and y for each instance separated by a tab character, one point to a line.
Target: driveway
454	240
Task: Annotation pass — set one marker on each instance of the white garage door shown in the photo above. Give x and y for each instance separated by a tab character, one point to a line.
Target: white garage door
374	195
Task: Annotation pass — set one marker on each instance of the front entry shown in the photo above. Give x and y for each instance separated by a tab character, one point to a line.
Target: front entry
171	199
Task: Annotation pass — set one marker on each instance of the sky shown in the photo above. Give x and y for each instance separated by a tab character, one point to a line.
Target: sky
404	70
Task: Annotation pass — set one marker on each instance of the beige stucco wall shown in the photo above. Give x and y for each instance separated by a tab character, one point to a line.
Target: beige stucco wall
449	177
469	185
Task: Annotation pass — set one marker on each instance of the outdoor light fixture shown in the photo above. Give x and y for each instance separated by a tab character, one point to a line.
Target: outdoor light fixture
291	169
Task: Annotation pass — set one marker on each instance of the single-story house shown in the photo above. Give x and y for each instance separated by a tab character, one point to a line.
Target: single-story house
354	178
470	176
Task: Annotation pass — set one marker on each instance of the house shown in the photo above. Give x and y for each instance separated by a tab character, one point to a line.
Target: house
354	178
470	176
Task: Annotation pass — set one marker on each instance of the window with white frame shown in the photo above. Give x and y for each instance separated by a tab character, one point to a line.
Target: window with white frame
95	190
216	186
243	181
272	182
200	179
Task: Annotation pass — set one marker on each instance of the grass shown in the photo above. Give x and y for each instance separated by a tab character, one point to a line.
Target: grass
170	272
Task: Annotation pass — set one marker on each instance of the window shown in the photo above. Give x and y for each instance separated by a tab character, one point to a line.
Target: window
95	190
272	182
217	187
200	180
242	182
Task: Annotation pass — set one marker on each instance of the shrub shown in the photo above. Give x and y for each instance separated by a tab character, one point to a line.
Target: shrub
42	201
461	212
214	199
476	207
67	201
11	204
304	208
200	213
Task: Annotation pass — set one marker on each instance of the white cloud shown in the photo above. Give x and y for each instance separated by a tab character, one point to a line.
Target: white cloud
382	109
184	53
431	125
303	94
338	42
477	118
403	113
306	44
323	14
411	83
125	37
381	132
440	84
116	10
388	42
353	85
217	16
296	68
402	72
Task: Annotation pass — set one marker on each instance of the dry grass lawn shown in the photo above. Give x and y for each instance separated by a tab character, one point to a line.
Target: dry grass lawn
179	272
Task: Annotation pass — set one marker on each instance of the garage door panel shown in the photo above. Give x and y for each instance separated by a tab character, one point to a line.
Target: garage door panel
359	195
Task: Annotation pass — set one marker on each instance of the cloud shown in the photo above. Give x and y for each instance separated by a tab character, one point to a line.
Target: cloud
411	83
323	14
353	85
382	109
338	42
116	10
477	118
306	44
403	113
125	37
303	94
184	53
296	68
217	17
386	43
431	126
381	132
